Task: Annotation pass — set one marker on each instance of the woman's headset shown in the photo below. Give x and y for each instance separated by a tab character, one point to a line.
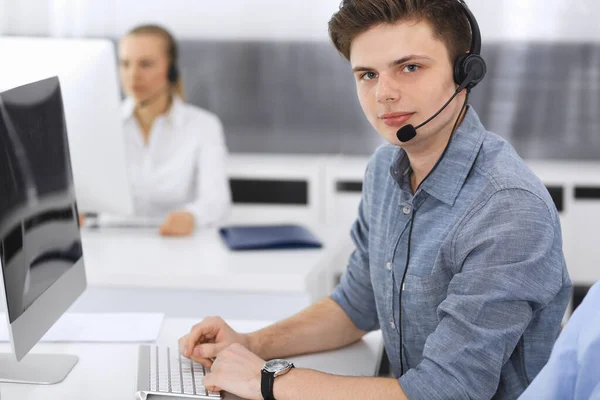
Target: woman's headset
173	71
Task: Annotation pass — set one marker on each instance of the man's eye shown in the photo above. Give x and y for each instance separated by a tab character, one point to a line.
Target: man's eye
411	68
368	76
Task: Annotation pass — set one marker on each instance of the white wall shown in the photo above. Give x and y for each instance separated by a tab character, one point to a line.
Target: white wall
2	16
283	19
232	19
26	17
553	20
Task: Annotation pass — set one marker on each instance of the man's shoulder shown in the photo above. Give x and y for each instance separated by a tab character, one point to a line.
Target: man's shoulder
504	170
501	164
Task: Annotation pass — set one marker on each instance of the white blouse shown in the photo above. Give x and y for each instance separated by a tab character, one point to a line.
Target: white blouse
182	167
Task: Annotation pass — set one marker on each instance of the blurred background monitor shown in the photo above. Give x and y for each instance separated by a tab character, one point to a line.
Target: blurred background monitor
87	70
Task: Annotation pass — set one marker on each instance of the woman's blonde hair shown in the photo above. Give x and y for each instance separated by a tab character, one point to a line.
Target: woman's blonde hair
172	53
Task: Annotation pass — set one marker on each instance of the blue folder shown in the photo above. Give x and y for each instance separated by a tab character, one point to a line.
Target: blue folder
260	237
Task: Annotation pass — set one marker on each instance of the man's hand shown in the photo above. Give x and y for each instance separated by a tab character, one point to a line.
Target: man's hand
237	371
177	223
208	338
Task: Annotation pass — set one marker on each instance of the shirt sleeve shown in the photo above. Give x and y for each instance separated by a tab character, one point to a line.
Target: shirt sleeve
355	292
510	265
212	202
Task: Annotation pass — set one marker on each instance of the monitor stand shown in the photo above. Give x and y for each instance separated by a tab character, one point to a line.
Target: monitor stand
41	369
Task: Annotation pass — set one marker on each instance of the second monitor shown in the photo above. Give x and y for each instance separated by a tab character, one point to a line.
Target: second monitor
87	70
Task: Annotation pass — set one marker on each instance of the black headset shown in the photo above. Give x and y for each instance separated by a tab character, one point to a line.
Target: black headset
173	72
471	63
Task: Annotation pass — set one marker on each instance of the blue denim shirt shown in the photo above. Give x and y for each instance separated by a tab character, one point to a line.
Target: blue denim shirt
486	285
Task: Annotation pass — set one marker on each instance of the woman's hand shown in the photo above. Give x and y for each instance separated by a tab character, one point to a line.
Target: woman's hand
177	223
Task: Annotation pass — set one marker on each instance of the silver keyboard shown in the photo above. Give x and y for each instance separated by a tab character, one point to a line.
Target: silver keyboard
164	373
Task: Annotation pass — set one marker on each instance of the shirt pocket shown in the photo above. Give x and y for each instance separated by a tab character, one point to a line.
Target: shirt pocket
421	297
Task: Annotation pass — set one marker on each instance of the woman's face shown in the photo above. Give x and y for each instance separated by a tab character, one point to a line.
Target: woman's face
143	65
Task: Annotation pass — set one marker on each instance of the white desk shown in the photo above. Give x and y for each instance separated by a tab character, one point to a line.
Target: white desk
137	270
108	371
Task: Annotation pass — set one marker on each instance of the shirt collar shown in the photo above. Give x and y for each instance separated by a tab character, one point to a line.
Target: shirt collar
173	114
449	177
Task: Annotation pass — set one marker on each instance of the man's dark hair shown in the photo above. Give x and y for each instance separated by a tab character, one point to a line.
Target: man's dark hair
446	17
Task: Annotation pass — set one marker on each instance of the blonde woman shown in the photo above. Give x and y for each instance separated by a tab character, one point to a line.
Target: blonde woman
176	152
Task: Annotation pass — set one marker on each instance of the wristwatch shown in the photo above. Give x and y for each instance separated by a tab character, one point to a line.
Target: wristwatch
271	370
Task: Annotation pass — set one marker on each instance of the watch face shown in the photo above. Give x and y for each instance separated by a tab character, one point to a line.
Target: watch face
276	365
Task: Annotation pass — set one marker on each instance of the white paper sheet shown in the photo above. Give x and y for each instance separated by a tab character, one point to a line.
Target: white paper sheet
100	327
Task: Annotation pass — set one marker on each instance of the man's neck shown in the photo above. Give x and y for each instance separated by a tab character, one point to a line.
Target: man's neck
423	158
147	114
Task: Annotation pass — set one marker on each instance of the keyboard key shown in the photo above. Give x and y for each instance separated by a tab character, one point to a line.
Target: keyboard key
188	386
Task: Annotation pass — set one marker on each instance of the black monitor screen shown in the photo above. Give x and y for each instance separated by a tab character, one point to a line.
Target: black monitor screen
39	233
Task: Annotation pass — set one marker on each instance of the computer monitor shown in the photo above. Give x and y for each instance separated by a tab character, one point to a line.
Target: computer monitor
87	70
40	243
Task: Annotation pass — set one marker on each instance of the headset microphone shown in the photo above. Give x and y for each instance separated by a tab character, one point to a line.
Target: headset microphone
409	131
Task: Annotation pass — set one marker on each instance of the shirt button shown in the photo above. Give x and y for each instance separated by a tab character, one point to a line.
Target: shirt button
406	210
389	266
392	325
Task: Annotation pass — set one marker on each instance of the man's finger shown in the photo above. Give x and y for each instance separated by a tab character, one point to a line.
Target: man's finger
206	362
208	350
200	332
182	342
211	382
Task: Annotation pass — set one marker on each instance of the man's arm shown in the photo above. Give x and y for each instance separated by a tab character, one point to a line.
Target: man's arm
237	371
333	322
322	326
300	384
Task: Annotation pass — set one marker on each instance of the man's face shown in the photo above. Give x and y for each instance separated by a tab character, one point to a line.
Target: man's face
404	76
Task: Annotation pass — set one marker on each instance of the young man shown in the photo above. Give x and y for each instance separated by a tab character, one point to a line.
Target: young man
458	262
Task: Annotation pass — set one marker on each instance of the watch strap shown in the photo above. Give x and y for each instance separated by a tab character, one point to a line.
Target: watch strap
266	384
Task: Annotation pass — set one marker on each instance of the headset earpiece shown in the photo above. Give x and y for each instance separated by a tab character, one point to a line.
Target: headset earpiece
470	66
173	74
466	64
